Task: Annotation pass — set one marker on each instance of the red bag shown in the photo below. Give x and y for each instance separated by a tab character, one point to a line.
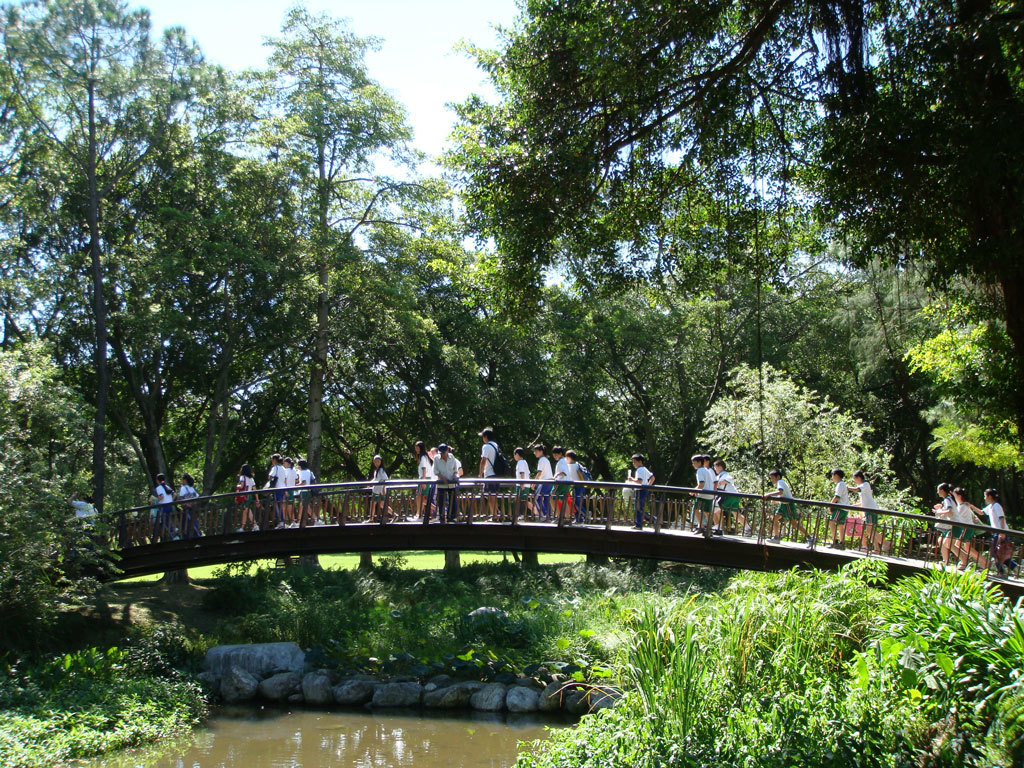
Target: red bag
242	498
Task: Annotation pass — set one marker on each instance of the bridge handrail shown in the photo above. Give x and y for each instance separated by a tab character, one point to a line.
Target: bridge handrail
404	484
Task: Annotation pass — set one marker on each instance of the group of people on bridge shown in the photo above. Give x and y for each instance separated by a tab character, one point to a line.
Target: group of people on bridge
555	489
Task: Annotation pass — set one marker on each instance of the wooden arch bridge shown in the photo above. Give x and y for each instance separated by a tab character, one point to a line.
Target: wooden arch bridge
598	519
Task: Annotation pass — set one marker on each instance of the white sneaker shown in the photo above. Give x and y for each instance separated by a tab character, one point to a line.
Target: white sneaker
255	527
240	530
774	540
279	526
747	531
294	525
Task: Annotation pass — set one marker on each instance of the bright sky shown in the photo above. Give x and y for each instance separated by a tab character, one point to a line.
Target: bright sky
416	62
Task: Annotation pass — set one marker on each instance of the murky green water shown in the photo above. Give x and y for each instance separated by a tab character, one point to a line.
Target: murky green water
302	739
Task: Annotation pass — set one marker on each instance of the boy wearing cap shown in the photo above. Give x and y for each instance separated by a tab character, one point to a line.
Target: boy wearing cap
446	469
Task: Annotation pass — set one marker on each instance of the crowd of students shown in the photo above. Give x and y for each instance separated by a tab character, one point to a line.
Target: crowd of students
551	492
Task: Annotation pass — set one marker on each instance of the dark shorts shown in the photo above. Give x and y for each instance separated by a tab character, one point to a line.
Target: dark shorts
704	505
966	534
729	503
870	518
838	516
279	496
788	511
524	493
561	490
492	488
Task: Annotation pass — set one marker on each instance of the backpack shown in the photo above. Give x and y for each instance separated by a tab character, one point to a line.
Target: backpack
585	473
313	492
500	463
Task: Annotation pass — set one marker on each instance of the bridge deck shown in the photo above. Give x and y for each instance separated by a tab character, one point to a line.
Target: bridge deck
615	541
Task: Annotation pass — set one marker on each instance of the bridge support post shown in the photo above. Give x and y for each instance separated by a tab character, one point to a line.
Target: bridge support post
530	561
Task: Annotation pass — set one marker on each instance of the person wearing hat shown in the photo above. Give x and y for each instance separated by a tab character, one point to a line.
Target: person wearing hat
446	470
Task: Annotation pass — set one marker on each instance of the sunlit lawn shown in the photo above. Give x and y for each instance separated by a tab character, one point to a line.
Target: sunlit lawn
425	560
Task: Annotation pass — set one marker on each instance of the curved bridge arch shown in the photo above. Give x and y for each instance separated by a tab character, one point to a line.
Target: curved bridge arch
339	523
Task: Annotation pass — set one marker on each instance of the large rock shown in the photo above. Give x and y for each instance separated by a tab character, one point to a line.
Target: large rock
490	698
521	699
316	689
398	695
260	659
604	698
353	693
237	684
550	699
576	702
456	696
280	686
438	681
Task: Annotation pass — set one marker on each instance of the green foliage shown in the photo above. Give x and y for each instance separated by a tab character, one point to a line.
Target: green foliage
812	669
94	701
767	420
47	557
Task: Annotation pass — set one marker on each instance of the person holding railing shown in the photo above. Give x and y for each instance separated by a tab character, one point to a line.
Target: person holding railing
945	510
379	509
727	505
542	496
522	502
785	508
189	522
837	518
424	473
868	504
642	477
704	501
246	500
1001	549
275	481
446	469
964	533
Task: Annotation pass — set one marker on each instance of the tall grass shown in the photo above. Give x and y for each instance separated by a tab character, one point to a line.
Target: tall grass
812	669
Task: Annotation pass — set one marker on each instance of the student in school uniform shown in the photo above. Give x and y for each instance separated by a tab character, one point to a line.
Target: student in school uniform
164	495
727	505
578	494
304	481
837	520
523	502
379	509
643	478
189	522
542	497
288	479
245	499
996	519
867	502
705	481
275	480
424	473
785	508
447	470
964	533
561	492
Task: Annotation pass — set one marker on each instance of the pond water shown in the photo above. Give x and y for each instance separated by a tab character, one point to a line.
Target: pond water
272	738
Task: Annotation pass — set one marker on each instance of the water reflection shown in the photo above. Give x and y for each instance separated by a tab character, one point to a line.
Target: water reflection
278	739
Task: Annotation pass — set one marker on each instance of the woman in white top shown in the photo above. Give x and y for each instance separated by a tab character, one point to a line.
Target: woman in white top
189	523
523	502
963	533
244	499
379	511
944	510
424	472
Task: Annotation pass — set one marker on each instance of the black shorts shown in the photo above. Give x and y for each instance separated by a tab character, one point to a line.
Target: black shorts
492	488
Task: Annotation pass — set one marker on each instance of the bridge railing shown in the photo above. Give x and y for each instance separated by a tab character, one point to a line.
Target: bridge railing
659	508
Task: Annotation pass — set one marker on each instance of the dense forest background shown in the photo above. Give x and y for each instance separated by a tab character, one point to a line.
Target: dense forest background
776	231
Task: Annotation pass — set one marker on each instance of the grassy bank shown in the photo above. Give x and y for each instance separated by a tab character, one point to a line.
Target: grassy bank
89	702
722	669
813	669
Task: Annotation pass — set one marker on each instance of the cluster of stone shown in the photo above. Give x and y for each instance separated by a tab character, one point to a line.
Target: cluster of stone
277	673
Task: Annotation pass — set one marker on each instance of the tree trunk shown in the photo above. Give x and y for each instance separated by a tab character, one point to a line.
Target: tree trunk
179	576
217	423
318	364
1013	301
365	561
451	560
530	561
99	310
